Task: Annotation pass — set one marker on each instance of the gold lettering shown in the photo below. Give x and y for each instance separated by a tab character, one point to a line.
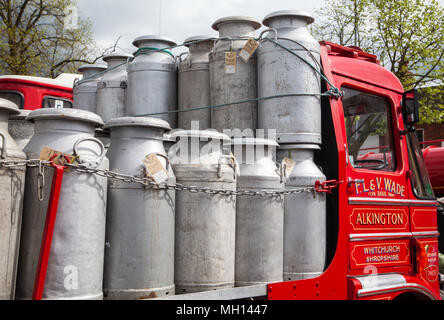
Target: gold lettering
378	182
393	187
359	219
387	184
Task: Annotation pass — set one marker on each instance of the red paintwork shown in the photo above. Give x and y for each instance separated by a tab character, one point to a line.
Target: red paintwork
34	91
48	231
434	159
356	69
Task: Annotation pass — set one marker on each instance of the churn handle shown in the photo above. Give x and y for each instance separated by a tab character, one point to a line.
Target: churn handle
95	162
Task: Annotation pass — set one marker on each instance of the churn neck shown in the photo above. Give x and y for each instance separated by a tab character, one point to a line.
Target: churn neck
251	150
199	45
236	26
112	63
116	58
4	116
7	109
298	153
89	72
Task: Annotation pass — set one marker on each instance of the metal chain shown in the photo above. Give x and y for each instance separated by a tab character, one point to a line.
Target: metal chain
147	182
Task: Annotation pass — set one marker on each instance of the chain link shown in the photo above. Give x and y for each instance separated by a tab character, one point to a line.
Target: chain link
147	182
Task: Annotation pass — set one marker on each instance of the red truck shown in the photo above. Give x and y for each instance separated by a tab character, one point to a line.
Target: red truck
382	235
30	93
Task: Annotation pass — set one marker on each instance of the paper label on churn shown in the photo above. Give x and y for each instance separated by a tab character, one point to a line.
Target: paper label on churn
154	168
230	62
248	50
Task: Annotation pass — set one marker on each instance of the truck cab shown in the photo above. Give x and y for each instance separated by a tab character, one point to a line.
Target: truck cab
382	237
30	93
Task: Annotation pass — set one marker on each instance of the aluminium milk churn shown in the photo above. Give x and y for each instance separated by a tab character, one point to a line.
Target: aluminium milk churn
305	214
205	223
75	267
139	251
20	129
111	89
85	91
232	79
259	220
296	119
152	79
194	83
12	185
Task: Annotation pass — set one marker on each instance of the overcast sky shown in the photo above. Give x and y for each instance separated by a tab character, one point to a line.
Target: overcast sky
177	19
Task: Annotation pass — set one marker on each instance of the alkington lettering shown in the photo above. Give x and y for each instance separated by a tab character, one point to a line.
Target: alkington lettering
379	218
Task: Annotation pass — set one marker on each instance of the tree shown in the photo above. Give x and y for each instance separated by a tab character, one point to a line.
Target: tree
44	38
406	35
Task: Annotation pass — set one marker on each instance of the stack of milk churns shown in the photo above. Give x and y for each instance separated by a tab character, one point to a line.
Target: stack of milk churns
172	119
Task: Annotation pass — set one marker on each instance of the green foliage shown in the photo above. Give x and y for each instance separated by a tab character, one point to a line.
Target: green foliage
431	101
406	35
37	37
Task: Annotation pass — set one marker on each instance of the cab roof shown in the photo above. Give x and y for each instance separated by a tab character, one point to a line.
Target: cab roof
65	80
352	62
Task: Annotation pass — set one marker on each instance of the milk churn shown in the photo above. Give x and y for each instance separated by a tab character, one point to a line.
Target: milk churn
234	82
85	91
205	223
296	119
111	89
259	220
168	141
20	129
305	214
139	252
194	83
12	184
152	79
75	268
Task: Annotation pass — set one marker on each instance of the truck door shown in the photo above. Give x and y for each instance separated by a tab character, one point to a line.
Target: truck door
378	204
423	216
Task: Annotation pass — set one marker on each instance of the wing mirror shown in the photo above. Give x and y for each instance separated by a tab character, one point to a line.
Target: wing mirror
410	110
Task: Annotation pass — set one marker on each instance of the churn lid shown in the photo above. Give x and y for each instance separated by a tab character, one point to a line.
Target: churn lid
9	106
117	56
254	141
288	13
299	146
153	37
138	122
95	66
204	134
200	38
256	24
65	114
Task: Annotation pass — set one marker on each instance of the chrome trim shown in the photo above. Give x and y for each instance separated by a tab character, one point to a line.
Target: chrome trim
379	236
392	202
410	286
425	234
392	235
388	283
